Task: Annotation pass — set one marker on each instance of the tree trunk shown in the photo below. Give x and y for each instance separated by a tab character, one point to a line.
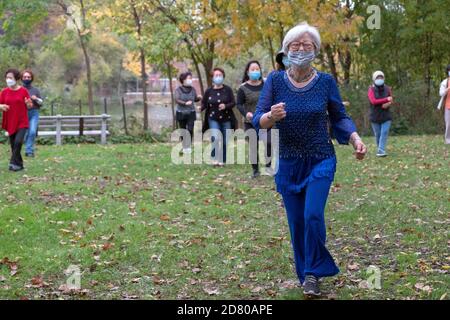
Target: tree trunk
346	63
119	84
272	53
138	24
172	100
88	75
428	61
208	63
331	63
197	69
87	59
144	87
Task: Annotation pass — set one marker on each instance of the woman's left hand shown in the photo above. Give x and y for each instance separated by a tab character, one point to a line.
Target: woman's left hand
28	102
360	149
221	106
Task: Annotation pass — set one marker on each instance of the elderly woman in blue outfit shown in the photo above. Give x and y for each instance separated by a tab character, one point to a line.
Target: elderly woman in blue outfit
300	102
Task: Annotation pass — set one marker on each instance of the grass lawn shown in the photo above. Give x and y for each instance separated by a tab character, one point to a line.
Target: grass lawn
139	226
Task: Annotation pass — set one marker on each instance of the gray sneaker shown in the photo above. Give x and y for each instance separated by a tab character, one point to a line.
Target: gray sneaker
311	286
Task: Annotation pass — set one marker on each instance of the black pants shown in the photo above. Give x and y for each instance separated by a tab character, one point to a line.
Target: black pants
186	121
248	126
16	141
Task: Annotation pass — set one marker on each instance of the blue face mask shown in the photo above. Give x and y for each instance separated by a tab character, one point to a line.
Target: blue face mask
27	82
379	82
286	62
301	58
218	80
254	75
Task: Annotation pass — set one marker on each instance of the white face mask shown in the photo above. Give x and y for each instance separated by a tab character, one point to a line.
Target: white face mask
10	82
188	82
449	73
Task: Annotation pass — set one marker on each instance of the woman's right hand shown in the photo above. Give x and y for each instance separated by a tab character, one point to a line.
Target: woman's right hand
278	111
188	103
4	107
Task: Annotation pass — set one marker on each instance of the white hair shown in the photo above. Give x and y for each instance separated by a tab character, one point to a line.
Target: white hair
376	74
299	30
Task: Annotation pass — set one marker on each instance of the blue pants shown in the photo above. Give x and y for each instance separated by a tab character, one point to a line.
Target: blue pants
305	213
33	119
381	132
219	144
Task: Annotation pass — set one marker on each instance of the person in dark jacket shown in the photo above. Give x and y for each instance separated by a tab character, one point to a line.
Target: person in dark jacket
380	98
186	97
33	112
247	99
218	102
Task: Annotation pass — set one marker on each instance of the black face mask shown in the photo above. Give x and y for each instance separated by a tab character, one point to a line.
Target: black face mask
27	82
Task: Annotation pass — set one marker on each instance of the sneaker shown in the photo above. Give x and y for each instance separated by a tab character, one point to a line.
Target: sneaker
311	286
255	174
381	155
31	155
13	167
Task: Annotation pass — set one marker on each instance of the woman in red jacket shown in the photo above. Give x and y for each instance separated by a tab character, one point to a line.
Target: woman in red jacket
14	102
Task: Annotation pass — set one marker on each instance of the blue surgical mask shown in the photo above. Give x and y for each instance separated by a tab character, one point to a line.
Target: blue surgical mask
218	80
301	58
449	73
286	62
379	82
254	75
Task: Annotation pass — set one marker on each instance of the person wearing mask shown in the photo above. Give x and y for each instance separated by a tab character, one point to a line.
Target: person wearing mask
186	97
247	99
14	102
33	112
300	102
218	102
380	98
445	101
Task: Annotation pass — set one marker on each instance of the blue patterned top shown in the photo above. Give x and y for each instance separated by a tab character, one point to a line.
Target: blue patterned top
306	151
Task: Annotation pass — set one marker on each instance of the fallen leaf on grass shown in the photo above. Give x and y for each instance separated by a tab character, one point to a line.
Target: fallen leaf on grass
12	265
211	291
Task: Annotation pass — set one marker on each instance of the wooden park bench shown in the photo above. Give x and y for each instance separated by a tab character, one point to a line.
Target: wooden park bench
59	126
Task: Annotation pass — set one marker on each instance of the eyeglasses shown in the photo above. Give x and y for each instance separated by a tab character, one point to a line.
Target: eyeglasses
307	46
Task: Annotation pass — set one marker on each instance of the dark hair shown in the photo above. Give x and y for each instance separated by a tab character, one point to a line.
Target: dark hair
184	76
15	72
245	78
218	69
28	71
279	60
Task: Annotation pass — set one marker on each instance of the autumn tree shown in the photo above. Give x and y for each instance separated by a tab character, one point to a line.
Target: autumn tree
76	13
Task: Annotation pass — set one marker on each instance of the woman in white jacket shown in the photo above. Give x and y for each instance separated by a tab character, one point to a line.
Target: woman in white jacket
445	102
